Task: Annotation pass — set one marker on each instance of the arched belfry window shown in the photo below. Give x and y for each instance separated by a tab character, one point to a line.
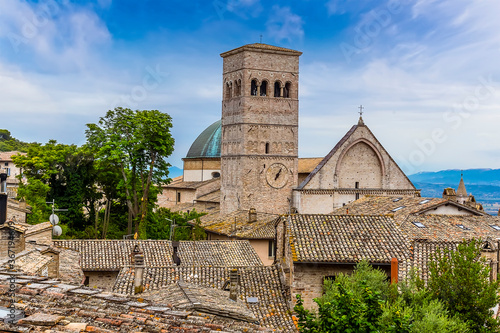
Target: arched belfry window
267	147
237	88
277	89
228	90
263	88
253	88
286	90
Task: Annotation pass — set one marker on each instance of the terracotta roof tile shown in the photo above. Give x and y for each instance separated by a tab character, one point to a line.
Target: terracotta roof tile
262	282
345	238
112	255
236	224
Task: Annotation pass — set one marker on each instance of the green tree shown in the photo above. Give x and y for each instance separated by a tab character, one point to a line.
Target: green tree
9	143
59	172
365	302
136	143
461	280
159	225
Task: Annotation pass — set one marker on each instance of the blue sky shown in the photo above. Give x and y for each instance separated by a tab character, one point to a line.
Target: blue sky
427	72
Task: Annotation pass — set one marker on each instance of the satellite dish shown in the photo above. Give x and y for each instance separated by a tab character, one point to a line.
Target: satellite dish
56	231
54	219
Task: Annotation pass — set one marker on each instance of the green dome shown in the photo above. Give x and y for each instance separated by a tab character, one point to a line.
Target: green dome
207	144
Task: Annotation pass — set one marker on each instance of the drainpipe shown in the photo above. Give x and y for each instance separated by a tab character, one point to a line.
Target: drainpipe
138	270
3	197
394	270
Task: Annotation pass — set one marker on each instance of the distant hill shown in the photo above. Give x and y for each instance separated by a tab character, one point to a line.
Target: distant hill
484	184
174	172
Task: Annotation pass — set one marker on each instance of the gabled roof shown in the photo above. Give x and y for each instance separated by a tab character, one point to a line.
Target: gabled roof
236	224
339	145
189	296
399	207
345	239
263	282
450	227
422	252
54	306
461	188
112	255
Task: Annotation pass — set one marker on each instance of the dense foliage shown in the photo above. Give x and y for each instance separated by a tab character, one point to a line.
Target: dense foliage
136	145
457	298
8	143
109	183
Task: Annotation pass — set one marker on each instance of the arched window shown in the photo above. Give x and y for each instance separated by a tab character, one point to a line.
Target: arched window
237	88
253	88
267	147
228	90
263	88
277	89
286	90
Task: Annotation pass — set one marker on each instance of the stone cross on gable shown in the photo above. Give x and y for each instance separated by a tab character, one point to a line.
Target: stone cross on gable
361	110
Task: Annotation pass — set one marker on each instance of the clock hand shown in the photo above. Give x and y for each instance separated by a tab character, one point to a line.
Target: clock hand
277	175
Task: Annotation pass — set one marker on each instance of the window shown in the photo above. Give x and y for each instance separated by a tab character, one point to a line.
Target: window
396	209
87	281
496	227
286	90
277	89
356	185
253	88
178	196
357	196
8	171
271	249
396	200
267	147
461	226
6	164
263	88
228	90
215	174
418	224
424	201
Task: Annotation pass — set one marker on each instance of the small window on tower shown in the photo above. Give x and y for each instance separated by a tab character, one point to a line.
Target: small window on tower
263	88
286	90
178	196
267	147
356	185
253	88
277	89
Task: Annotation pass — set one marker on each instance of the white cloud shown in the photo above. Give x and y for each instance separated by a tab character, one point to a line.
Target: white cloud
283	25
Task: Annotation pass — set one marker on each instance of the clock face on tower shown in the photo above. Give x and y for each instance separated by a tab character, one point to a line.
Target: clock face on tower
277	175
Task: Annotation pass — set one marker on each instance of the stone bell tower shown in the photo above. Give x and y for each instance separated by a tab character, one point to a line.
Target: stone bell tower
260	111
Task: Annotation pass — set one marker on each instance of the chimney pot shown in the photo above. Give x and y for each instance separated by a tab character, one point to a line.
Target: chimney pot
252	215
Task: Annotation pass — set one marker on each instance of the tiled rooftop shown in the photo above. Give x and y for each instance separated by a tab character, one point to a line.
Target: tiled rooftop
112	255
51	306
236	224
28	261
262	282
447	227
178	182
421	253
345	239
385	205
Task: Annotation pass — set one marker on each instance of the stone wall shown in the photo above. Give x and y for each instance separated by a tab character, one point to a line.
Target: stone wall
259	132
41	237
101	280
308	279
18	242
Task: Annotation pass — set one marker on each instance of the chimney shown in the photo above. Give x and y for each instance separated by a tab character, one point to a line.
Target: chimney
233	284
394	270
138	270
175	256
3	196
252	215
